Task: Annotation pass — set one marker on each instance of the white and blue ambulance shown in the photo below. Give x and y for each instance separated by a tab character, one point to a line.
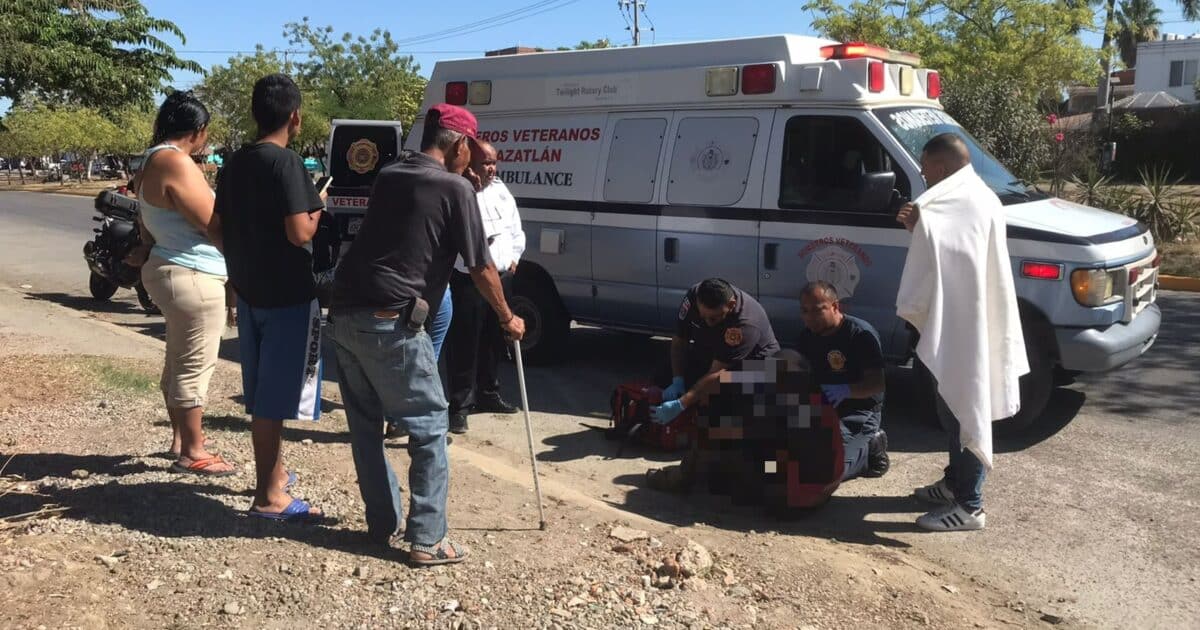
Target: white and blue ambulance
769	161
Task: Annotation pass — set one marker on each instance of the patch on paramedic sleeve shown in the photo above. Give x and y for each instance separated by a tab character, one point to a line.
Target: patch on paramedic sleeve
733	336
684	307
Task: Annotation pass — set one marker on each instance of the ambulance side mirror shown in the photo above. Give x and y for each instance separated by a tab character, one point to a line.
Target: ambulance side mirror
875	191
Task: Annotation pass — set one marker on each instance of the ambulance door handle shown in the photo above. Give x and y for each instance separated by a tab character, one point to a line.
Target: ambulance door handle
671	250
771	256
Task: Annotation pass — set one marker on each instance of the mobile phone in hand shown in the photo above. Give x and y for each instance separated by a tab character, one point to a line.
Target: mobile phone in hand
323	184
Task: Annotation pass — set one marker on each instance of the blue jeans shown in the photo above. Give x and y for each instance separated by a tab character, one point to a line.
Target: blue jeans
437	327
858	427
385	369
965	473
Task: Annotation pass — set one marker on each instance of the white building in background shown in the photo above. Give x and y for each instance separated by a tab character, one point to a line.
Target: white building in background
1170	65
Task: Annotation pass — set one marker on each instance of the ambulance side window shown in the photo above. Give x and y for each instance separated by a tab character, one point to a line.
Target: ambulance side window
711	160
633	159
834	163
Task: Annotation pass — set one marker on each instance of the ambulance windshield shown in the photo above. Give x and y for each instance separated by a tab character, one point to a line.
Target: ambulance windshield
914	126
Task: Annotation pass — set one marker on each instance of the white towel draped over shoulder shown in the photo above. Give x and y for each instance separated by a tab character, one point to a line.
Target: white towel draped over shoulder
957	290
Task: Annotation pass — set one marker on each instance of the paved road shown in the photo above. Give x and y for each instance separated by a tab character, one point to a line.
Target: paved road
1093	514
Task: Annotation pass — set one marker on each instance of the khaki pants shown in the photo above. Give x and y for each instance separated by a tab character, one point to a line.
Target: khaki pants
193	303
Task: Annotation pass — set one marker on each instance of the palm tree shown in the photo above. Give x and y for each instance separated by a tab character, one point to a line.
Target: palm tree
1191	12
1137	22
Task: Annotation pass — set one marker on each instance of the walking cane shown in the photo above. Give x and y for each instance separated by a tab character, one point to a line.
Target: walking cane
537	486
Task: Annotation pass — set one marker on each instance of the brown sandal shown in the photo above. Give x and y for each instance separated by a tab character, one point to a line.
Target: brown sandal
201	467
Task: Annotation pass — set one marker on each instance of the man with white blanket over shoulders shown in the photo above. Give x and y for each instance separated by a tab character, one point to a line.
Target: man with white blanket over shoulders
957	291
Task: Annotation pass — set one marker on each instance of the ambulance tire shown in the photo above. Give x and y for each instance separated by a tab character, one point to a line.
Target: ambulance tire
547	323
1037	385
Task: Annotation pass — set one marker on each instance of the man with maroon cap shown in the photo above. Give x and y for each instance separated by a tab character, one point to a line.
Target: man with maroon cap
422	215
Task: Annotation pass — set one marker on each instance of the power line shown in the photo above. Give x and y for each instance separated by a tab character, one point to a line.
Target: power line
460	32
501	16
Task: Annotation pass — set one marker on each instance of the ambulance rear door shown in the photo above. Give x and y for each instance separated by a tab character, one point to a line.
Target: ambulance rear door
708	225
832	188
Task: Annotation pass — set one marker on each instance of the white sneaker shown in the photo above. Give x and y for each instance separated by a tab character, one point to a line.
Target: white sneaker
938	493
953	518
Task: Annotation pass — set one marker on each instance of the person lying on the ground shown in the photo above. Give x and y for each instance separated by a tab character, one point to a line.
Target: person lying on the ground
847	363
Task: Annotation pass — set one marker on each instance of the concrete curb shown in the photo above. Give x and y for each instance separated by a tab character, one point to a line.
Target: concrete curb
1179	283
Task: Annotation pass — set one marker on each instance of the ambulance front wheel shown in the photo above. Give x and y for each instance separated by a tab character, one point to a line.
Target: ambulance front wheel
1036	386
547	323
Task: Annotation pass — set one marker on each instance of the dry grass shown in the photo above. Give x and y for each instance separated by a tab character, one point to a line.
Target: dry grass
1181	259
12	484
83	189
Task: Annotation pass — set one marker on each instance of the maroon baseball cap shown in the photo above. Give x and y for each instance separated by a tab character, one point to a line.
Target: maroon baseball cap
454	118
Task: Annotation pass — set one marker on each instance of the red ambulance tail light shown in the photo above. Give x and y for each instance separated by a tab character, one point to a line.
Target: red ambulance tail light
875	76
933	85
1041	271
758	79
456	93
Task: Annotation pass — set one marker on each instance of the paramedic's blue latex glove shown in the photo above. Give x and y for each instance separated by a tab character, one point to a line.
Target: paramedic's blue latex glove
675	390
666	412
835	394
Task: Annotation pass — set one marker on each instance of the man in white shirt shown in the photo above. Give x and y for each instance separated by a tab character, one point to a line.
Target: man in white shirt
475	342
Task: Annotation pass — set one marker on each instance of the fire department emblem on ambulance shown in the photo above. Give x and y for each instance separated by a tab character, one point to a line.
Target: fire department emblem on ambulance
836	266
362	156
710	159
733	336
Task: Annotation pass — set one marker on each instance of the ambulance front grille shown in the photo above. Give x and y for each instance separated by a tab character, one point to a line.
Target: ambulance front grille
1141	282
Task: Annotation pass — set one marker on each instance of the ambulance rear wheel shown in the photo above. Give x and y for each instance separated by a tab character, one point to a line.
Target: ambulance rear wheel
547	323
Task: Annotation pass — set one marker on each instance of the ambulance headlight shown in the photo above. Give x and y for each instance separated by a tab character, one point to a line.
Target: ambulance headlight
1094	287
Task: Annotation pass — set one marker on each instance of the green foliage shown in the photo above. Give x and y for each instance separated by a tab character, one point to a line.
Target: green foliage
41	130
1005	123
1137	22
1029	46
1167	210
353	77
226	93
586	45
97	53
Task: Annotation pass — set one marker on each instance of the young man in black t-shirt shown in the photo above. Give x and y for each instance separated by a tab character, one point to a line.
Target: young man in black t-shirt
847	362
267	210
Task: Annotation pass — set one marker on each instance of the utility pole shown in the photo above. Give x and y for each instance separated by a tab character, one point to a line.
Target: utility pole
639	7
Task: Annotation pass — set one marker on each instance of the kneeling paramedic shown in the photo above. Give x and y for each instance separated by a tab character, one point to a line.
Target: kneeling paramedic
719	326
846	359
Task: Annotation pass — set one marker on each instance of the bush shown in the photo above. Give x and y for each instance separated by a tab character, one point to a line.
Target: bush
1007	123
1158	202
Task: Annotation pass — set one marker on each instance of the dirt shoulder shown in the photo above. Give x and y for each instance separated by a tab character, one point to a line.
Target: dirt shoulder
82	188
121	542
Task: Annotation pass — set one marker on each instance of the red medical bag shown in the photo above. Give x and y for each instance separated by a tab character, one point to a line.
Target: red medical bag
631	403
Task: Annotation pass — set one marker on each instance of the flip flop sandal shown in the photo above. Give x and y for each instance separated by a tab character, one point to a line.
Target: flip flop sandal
298	511
291	482
201	467
439	554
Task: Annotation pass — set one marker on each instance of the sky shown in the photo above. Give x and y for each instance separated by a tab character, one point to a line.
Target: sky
219	29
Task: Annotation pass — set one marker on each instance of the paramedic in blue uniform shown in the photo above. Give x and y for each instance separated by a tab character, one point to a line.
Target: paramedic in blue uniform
718	327
846	359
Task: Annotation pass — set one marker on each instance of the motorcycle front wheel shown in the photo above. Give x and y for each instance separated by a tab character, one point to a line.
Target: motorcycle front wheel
144	299
100	287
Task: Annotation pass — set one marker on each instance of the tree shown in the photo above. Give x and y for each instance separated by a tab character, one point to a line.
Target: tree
226	92
353	77
586	45
1137	22
1030	46
100	53
1008	126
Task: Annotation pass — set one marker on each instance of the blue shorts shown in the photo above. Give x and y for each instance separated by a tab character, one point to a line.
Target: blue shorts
281	360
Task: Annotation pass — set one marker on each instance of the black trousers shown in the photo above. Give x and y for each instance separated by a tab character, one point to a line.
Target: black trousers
474	344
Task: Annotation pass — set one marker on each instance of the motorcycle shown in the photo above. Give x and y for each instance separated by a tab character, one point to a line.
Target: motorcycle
117	235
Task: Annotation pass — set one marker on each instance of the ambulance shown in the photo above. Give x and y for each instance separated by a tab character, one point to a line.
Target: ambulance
770	162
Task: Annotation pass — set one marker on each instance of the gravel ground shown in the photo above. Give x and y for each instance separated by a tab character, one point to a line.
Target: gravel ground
136	546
